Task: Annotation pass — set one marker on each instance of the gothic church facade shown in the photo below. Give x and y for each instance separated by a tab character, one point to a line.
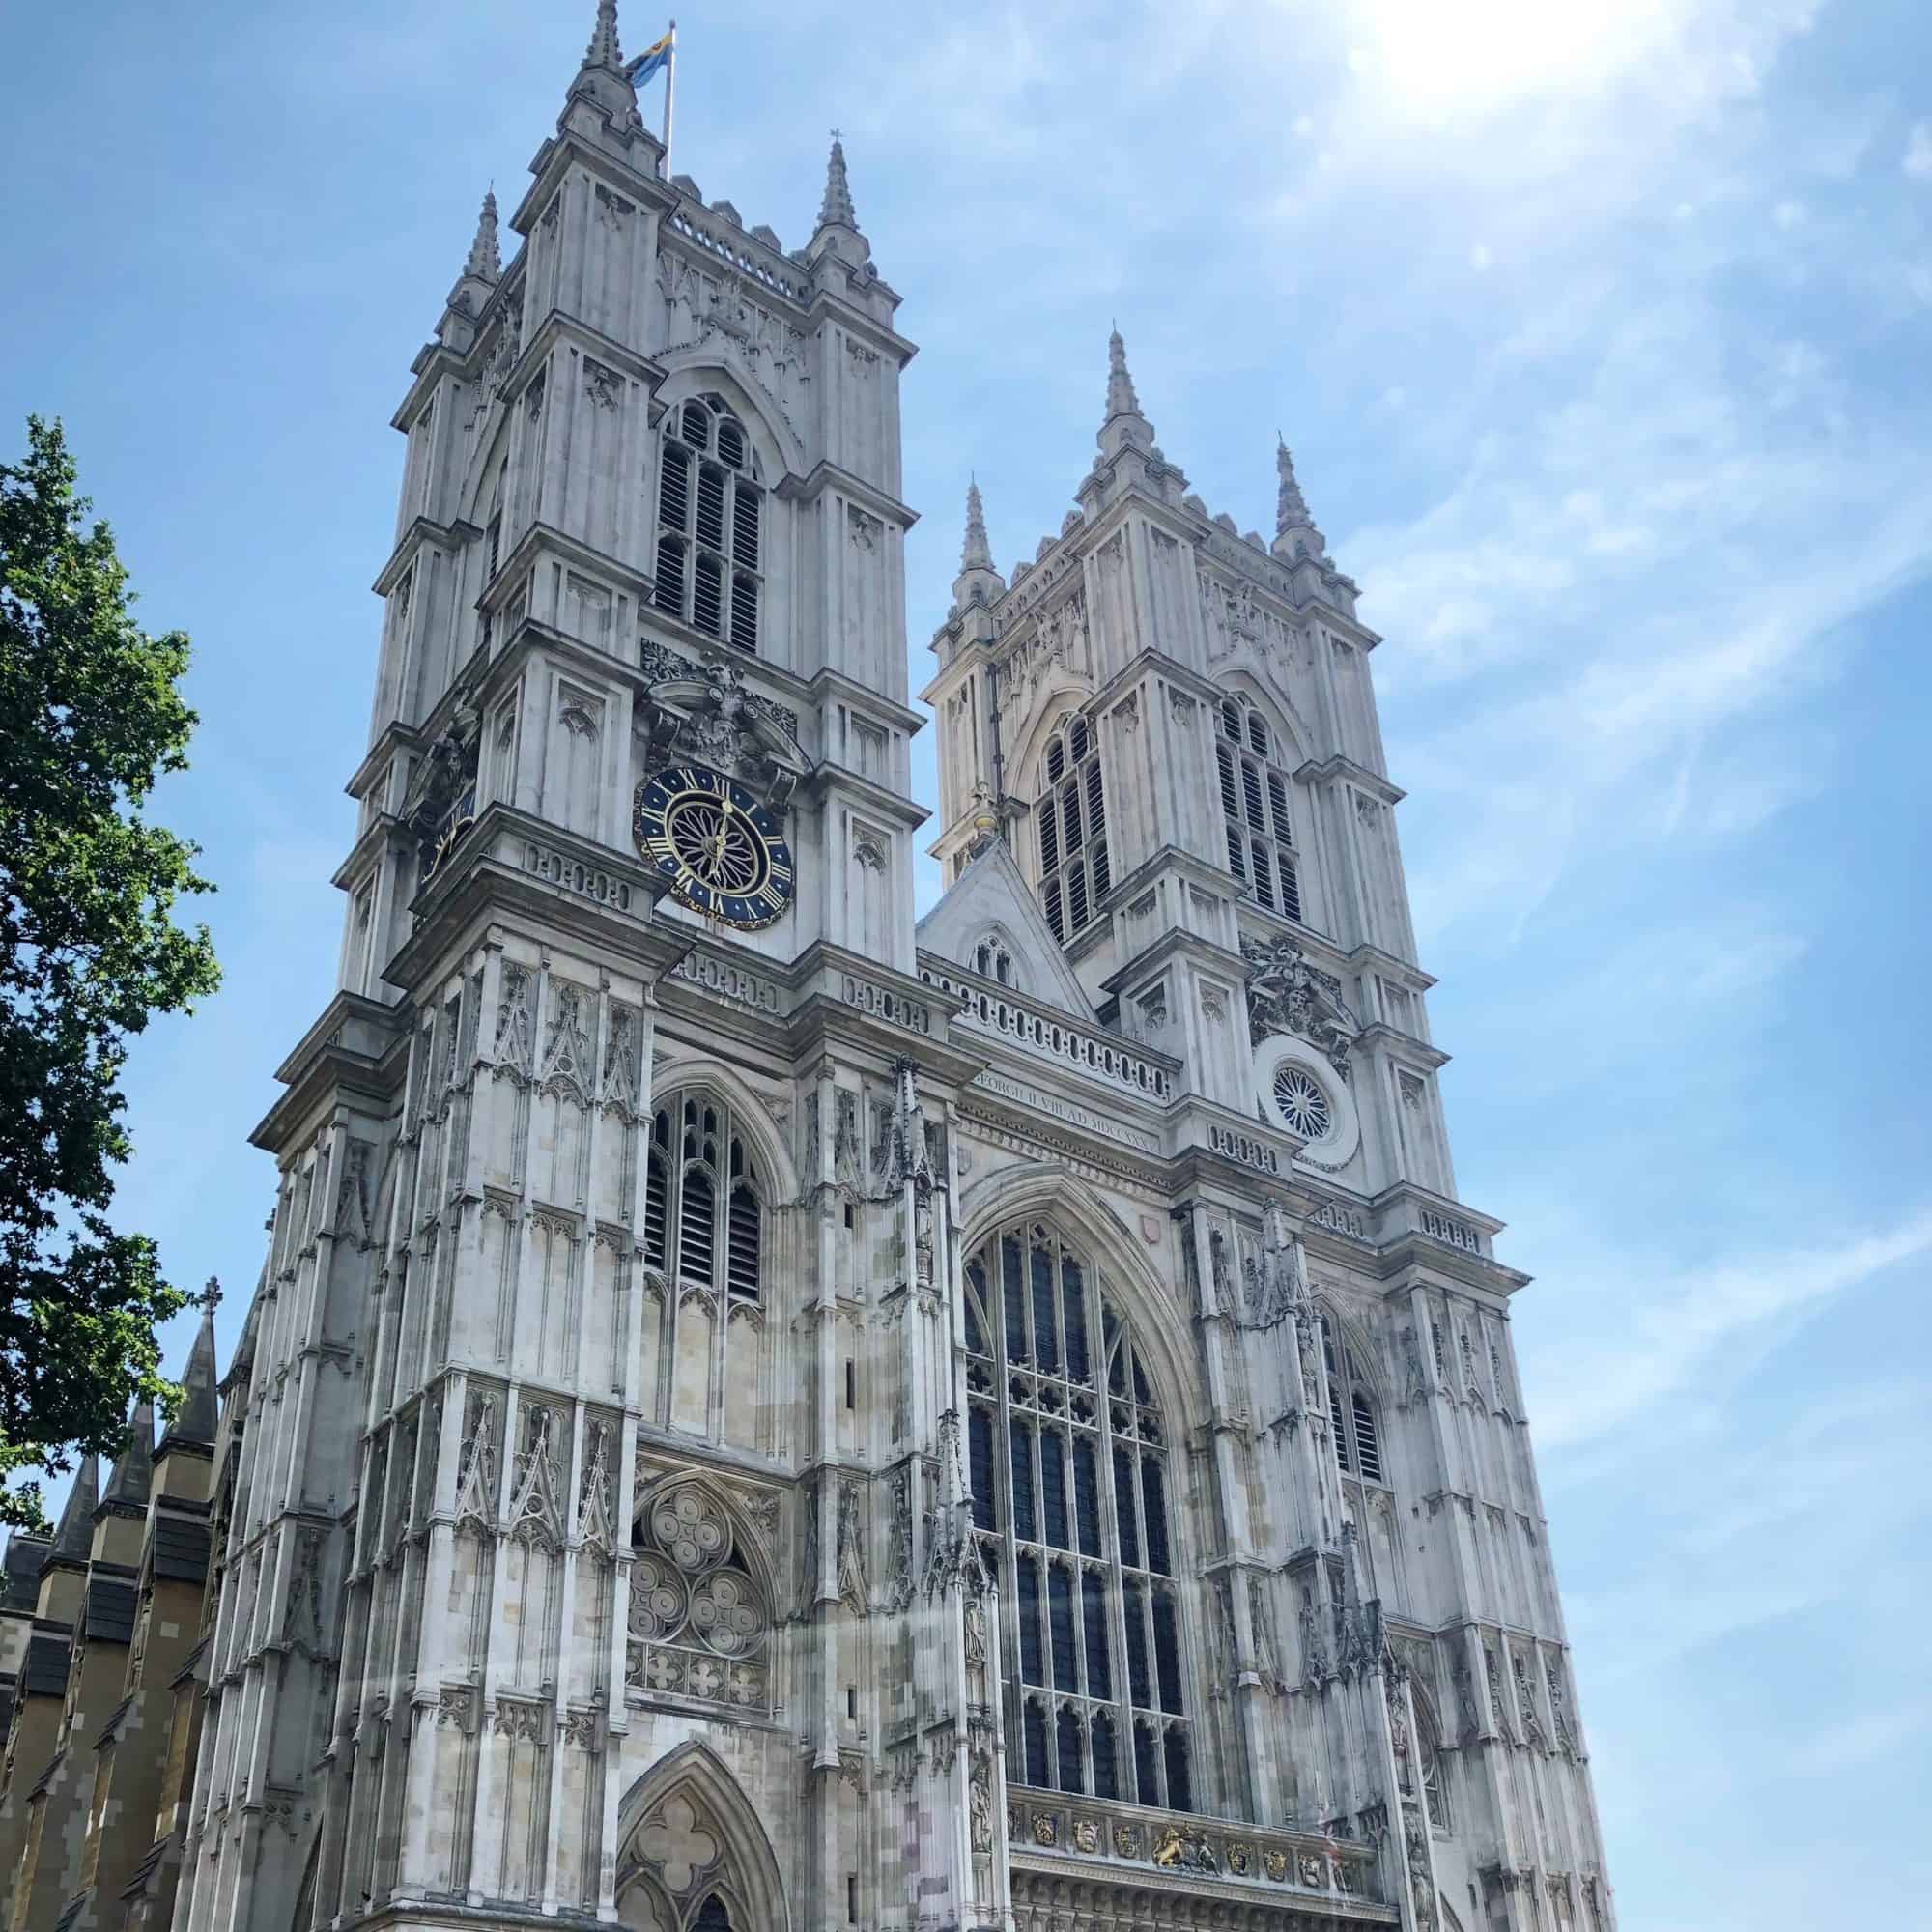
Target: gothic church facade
764	1412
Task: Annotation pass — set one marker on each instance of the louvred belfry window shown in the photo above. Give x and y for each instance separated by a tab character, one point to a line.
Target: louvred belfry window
1067	1454
710	524
1070	822
1254	809
1351	1410
702	1200
703	1320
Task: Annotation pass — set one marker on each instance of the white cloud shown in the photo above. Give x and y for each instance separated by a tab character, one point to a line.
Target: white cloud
1654	1332
1916	160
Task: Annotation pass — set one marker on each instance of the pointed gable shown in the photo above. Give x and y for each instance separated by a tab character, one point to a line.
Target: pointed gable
991	896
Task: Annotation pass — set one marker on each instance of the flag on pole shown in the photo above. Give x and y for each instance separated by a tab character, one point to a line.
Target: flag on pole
651	62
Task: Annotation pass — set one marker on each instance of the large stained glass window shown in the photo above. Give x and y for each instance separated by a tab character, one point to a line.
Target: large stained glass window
1067	1453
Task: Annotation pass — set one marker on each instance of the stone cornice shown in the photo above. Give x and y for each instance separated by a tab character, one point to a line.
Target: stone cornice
554	160
827	684
824	476
1369	957
537	539
415	534
356	1045
1403	1047
1327	771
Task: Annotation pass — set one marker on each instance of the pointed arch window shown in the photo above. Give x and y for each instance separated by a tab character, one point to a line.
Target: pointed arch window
1071	828
710	524
1428	1752
704	1322
993	959
698	1162
697	1625
1351	1410
1067	1453
1254	808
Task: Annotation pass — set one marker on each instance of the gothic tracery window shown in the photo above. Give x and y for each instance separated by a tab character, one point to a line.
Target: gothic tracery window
1254	805
697	1623
1070	823
1067	1458
705	1237
1351	1410
994	959
710	522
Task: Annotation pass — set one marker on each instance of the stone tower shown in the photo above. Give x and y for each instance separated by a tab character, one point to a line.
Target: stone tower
1176	915
760	1415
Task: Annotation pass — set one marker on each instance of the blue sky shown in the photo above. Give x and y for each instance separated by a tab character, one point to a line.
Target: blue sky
1601	336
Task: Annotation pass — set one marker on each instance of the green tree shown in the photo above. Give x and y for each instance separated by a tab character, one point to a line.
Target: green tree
90	716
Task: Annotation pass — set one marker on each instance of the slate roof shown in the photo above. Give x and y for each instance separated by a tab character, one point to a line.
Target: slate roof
110	1610
20	1572
44	1674
182	1547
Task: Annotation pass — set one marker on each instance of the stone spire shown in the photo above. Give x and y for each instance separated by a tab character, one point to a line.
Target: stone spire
836	210
978	554
1125	424
1291	506
604	50
978	581
1294	528
482	271
73	1538
836	237
197	1419
485	264
132	1476
604	89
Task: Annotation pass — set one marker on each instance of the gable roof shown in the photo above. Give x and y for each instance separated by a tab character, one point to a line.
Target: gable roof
989	896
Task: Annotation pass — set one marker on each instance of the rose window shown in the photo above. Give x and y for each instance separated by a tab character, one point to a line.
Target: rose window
726	1614
689	1528
1303	1105
697	1619
657	1598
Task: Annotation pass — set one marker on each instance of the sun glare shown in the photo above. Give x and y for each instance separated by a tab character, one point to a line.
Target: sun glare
1449	61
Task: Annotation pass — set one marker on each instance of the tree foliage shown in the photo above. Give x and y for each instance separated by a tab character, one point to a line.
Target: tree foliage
91	715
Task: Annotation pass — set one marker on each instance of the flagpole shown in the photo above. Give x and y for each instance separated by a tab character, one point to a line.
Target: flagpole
671	76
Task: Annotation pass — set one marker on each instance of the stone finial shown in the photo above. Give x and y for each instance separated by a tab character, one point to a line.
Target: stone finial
836	210
485	264
978	554
73	1538
1291	509
604	50
1125	423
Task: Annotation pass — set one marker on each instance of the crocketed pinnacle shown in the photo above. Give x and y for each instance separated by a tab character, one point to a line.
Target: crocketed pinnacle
485	263
73	1539
977	555
1120	398
1125	427
1291	512
604	50
836	210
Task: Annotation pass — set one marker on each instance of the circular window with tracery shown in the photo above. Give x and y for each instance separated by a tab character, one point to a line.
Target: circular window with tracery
1303	1105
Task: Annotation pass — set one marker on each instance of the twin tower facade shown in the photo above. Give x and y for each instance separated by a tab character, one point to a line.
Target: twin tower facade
763	1411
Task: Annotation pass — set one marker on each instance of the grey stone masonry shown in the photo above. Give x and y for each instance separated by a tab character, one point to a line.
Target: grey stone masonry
764	1413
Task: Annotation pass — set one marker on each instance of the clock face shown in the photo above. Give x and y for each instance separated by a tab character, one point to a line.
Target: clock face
715	843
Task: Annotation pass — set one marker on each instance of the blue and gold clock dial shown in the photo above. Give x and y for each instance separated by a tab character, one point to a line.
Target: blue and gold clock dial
715	843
